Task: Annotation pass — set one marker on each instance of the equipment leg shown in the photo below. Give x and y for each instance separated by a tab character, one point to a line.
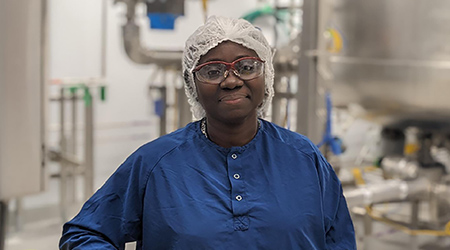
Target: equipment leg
3	221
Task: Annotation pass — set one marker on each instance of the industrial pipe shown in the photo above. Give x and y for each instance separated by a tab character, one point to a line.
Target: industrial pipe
134	49
390	190
400	167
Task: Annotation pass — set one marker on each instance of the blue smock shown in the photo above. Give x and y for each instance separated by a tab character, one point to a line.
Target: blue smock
182	191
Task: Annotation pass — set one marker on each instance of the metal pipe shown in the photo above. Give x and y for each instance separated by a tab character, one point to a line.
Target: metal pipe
415	208
164	95
184	111
44	93
400	167
307	84
436	64
137	53
104	33
73	147
89	148
3	221
368	225
390	190
63	165
276	102
134	49
70	159
440	203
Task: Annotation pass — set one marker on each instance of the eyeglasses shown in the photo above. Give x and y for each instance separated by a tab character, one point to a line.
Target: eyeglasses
215	72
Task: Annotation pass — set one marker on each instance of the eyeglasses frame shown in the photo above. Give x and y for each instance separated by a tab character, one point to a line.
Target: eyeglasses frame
229	66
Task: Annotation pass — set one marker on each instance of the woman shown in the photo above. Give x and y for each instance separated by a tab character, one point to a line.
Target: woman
228	181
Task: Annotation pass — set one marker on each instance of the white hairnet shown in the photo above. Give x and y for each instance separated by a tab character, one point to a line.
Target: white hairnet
208	36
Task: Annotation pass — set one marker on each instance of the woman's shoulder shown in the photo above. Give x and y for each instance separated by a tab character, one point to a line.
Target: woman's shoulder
289	138
166	143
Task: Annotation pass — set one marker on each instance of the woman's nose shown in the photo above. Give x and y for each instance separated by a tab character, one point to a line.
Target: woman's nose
231	80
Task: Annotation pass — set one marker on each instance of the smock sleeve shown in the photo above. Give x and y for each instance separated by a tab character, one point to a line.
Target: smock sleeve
113	215
340	234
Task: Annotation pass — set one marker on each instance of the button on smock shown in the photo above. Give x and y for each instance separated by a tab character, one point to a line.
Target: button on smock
238	197
236	176
234	156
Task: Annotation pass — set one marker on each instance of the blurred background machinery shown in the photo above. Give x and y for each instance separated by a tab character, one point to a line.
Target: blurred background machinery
391	60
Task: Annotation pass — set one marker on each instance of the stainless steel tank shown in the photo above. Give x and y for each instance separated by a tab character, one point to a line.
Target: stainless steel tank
395	58
22	98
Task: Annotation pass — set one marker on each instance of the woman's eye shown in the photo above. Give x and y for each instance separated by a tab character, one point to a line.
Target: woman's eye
247	68
213	73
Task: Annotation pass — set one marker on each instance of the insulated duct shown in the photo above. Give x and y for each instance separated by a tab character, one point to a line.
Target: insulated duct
138	53
391	190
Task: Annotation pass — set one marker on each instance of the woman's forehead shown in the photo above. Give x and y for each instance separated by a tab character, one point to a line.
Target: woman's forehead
227	51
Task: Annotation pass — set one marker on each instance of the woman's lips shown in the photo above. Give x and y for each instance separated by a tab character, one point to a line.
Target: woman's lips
234	98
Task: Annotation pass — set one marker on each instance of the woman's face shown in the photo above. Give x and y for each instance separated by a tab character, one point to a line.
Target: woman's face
233	100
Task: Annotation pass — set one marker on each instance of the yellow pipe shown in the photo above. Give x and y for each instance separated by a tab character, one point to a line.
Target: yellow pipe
445	232
205	9
337	41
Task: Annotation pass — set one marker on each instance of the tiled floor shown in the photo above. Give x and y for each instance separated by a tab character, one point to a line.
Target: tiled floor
43	235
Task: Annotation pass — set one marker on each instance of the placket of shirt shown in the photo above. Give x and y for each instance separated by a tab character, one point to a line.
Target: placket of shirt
239	197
